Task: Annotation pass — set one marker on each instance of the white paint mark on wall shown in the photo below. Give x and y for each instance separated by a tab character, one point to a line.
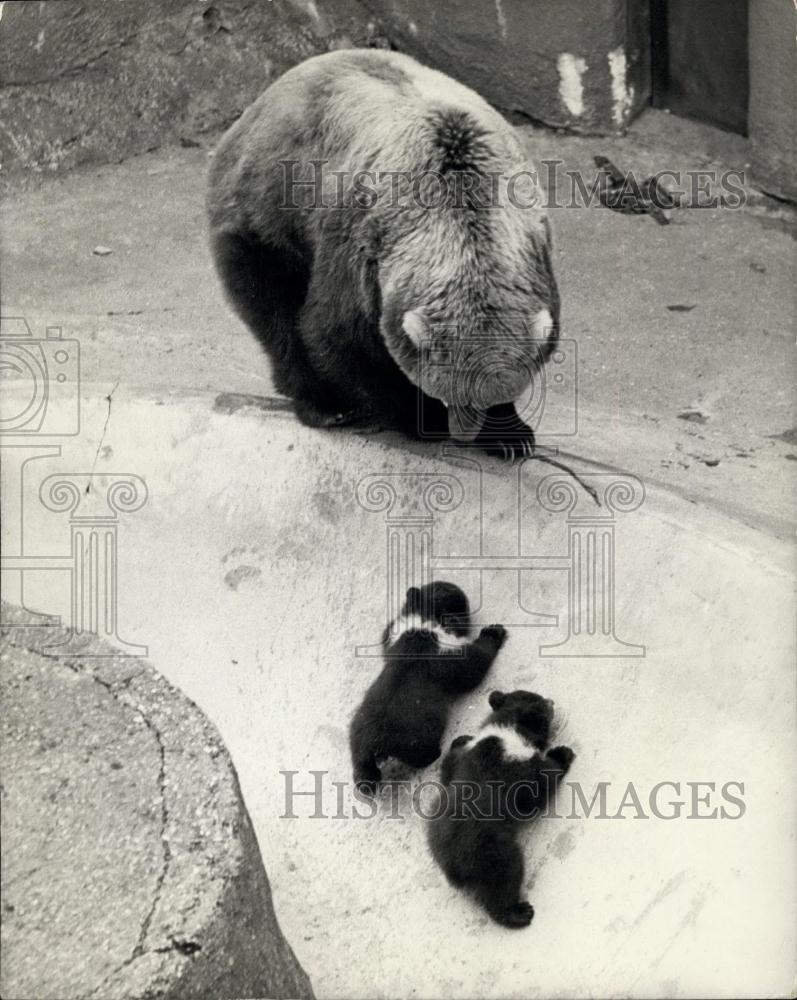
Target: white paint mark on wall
501	18
571	82
39	41
622	94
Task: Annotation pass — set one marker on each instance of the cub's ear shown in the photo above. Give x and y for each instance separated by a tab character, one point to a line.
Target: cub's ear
496	700
413	600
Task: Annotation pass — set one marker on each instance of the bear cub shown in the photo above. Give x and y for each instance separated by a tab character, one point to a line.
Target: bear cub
491	783
429	660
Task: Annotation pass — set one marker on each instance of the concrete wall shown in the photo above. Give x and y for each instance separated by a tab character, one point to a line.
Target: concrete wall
99	80
773	86
580	66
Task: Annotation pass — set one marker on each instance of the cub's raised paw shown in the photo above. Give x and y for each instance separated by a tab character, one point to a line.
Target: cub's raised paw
497	633
563	756
519	915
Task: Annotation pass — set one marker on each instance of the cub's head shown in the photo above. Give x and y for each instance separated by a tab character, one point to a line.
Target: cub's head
525	711
442	602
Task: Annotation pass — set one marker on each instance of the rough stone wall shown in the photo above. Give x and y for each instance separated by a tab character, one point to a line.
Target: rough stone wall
130	865
90	81
94	81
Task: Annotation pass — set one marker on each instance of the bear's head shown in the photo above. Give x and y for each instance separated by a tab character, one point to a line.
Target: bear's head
529	713
443	602
468	304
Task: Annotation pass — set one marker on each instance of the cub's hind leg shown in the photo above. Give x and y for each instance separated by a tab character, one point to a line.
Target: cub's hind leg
420	756
499	883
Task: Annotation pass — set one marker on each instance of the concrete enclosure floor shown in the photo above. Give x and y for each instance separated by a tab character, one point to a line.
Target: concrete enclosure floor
258	566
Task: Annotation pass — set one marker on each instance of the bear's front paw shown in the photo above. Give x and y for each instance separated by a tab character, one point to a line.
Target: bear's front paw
505	435
563	756
512	450
359	421
496	633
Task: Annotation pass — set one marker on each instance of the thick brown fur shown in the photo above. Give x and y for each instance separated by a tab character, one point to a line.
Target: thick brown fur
326	274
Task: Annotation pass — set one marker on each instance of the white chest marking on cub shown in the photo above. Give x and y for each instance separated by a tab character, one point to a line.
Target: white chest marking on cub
447	641
515	746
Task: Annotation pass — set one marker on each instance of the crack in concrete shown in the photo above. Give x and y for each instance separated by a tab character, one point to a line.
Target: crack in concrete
165	847
109	399
139	948
8	882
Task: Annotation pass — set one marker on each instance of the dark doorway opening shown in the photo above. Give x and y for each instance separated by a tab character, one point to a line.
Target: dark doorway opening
699	62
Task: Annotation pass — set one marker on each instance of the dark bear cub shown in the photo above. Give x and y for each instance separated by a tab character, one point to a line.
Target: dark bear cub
429	660
491	783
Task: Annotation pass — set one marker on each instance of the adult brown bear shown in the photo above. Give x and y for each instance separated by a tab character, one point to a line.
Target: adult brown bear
376	225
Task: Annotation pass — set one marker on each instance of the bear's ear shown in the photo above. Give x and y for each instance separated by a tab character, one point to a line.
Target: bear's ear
413	600
543	326
546	322
415	326
496	700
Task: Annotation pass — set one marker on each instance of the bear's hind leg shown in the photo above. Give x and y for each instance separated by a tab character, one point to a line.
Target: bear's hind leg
267	286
